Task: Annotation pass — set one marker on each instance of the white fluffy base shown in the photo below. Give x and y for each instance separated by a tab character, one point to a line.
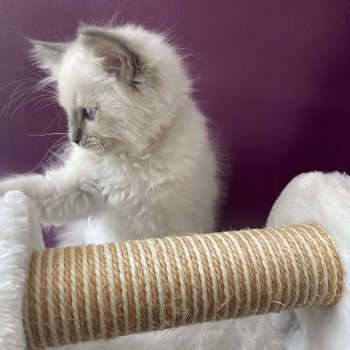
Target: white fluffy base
20	232
309	198
323	199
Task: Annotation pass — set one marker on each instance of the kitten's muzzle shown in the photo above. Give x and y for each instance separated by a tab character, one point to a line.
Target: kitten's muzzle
77	135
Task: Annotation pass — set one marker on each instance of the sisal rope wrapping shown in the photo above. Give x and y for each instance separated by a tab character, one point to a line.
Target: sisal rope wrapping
86	293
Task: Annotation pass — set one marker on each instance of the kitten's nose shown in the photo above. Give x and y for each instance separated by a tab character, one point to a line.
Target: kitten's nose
77	135
77	140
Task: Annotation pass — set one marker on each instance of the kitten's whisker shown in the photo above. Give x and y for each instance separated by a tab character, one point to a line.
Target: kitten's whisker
44	99
25	103
25	80
34	98
58	114
40	109
56	144
24	95
8	103
21	106
48	127
55	154
19	67
48	134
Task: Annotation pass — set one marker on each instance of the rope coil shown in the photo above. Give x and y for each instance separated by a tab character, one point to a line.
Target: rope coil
89	292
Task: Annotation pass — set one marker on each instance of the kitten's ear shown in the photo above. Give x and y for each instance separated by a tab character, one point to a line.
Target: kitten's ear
48	55
116	57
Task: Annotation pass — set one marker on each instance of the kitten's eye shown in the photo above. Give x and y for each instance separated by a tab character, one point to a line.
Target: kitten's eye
90	112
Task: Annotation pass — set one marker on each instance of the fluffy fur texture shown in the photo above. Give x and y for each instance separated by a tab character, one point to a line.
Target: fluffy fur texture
140	163
20	232
314	197
323	199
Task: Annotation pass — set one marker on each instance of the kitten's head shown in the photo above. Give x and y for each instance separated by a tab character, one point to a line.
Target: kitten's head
121	87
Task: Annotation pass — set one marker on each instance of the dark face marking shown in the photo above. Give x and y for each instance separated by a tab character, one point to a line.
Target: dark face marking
76	128
77	135
77	123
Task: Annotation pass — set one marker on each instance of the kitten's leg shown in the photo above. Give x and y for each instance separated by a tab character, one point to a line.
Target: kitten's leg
59	196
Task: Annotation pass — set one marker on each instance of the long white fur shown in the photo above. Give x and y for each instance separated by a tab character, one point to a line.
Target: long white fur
323	199
19	234
146	166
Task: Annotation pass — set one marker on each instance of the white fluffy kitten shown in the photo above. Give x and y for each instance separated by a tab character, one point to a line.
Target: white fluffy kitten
141	163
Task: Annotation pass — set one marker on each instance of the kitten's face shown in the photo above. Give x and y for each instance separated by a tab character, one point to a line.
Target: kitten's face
101	110
120	94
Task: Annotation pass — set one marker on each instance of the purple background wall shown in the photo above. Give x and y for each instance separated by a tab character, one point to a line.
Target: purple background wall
272	76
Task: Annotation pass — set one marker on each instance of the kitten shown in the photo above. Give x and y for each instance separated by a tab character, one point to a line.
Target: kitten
140	163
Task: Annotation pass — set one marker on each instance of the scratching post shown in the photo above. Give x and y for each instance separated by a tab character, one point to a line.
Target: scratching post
86	293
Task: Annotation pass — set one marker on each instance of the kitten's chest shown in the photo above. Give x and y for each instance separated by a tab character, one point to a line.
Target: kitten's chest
129	184
131	190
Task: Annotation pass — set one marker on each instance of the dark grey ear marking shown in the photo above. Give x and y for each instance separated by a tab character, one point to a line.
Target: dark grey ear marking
47	54
118	57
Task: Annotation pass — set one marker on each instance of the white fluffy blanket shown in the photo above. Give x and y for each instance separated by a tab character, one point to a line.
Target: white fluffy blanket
309	198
